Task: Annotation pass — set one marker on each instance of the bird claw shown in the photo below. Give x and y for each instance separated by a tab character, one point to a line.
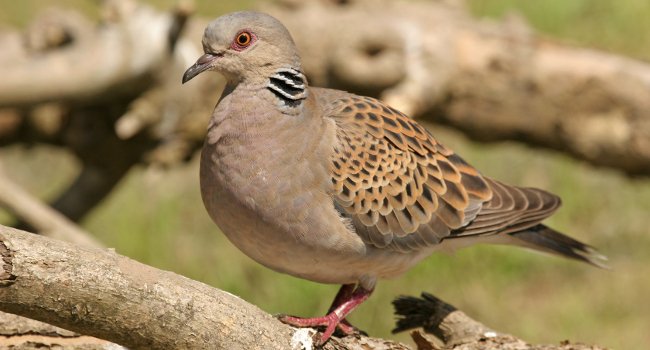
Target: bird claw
348	298
330	322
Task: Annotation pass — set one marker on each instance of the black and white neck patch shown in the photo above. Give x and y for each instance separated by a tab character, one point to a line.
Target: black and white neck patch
289	85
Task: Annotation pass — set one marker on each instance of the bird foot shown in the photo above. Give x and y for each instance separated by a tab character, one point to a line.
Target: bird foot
330	322
347	299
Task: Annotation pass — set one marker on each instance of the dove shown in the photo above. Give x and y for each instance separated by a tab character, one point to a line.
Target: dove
338	188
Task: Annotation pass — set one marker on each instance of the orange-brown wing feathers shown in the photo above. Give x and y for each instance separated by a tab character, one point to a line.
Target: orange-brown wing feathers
398	184
512	209
405	191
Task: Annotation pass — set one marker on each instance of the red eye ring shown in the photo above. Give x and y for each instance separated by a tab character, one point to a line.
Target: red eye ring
242	40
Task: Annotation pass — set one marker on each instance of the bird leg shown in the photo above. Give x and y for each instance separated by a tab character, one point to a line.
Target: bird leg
346	300
344	293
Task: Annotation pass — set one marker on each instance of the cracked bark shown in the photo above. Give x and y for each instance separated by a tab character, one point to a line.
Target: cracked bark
19	333
97	292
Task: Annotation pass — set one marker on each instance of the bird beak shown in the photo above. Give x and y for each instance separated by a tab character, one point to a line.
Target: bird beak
202	64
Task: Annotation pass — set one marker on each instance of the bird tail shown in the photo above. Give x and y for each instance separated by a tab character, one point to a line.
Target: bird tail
543	238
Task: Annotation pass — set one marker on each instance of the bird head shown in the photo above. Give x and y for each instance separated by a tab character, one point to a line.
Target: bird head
245	46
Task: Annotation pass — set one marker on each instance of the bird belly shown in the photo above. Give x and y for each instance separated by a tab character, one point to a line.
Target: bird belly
291	229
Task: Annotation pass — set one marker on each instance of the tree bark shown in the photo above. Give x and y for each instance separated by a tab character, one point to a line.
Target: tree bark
99	293
438	325
20	333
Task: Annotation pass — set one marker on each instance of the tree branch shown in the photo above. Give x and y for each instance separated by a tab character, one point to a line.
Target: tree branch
133	115
72	71
99	293
494	81
439	325
39	215
20	333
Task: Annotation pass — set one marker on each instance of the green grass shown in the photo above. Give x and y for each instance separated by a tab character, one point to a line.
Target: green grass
611	25
157	217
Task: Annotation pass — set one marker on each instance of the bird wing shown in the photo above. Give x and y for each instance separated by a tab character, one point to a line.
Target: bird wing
403	189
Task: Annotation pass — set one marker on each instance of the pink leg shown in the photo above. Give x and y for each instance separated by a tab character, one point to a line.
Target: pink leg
345	292
345	301
342	296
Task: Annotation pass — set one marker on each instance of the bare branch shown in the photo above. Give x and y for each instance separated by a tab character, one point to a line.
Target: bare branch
116	57
133	118
39	215
442	326
436	317
22	333
100	293
492	80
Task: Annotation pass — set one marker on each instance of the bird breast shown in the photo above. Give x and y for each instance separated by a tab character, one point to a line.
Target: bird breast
266	185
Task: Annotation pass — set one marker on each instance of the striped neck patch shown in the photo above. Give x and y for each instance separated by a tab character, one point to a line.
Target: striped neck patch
289	85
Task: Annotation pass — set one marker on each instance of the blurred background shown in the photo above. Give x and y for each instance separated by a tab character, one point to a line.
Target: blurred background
154	213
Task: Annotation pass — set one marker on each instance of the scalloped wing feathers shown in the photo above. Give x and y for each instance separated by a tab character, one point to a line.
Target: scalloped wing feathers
404	190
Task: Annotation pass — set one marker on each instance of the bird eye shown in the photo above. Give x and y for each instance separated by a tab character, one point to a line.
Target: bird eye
242	40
